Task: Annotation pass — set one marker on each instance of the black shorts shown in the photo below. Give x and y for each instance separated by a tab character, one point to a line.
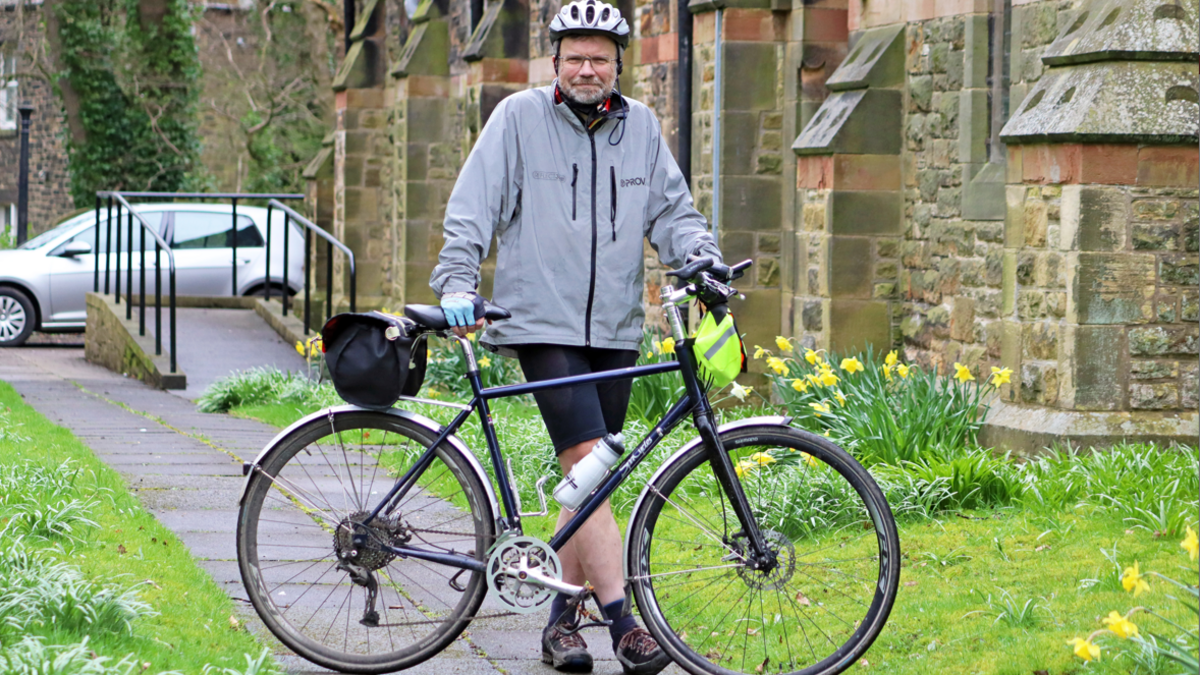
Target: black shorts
583	412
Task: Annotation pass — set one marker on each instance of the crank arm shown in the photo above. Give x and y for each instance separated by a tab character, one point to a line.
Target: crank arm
536	578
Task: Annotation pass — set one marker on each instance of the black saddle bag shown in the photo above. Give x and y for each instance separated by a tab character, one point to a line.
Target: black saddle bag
374	358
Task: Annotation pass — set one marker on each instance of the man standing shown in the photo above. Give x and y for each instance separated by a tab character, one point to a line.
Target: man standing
571	178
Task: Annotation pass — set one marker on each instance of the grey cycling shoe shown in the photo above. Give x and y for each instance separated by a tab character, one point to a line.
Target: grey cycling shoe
640	654
567	653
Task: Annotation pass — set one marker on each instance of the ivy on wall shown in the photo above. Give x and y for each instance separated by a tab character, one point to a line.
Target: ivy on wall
134	70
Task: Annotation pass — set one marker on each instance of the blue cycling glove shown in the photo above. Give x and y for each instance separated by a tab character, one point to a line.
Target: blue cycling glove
459	309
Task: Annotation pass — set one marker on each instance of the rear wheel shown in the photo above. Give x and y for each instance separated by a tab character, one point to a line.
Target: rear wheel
357	607
821	604
17	317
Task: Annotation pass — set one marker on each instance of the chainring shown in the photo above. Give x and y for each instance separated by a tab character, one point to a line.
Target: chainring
511	561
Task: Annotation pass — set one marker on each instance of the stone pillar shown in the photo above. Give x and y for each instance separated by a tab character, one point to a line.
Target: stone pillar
751	102
426	149
850	206
360	141
1100	245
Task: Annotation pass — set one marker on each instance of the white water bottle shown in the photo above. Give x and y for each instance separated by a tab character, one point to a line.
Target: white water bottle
589	471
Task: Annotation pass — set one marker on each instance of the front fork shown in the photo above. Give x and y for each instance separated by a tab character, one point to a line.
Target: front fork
760	556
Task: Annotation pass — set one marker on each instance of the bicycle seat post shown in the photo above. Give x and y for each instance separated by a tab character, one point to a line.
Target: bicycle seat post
468	353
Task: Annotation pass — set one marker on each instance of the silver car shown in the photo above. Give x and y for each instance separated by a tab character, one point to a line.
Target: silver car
43	283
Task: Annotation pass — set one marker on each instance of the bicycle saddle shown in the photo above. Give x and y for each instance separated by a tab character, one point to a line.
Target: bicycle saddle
431	316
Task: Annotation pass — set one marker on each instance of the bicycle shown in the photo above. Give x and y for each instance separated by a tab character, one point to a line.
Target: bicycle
754	548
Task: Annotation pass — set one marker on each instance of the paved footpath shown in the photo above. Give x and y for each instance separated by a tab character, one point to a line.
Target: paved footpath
185	467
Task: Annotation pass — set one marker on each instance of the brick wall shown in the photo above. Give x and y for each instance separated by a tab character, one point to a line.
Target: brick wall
49	188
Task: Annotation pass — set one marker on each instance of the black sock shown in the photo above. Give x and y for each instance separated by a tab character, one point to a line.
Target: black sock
557	606
620	624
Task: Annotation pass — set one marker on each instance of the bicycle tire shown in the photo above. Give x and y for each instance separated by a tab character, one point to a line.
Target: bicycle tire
715	616
314	481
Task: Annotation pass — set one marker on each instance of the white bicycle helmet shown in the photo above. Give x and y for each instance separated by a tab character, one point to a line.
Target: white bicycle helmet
590	17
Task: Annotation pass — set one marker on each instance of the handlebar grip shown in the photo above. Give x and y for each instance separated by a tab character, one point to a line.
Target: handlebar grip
693	268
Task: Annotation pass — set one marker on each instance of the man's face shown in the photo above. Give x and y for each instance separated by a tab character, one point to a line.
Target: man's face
587	82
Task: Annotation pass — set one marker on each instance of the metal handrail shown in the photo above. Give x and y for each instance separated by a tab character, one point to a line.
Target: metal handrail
159	245
290	214
233	197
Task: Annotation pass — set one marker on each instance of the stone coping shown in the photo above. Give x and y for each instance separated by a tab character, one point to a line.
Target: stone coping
1027	430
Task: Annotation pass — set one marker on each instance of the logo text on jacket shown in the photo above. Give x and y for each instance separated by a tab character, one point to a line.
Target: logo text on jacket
626	182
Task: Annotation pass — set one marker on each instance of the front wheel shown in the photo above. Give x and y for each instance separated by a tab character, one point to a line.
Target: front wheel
821	604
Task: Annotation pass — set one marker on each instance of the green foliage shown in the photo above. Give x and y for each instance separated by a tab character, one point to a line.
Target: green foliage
136	86
446	372
653	395
882	413
257	386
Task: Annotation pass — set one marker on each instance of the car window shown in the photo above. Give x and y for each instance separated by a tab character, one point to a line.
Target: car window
45	237
195	229
89	235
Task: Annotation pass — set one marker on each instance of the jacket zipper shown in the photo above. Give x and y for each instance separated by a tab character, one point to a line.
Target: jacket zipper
612	175
587	326
574	180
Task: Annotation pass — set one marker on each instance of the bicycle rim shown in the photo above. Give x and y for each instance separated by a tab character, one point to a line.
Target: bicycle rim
817	610
314	485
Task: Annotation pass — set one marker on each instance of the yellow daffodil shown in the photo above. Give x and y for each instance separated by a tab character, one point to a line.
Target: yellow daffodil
300	348
887	371
962	373
471	337
784	344
818	408
891	359
811	356
1191	543
800	385
902	370
826	433
809	459
739	392
1084	649
1132	580
759	351
744	467
1001	375
1120	626
840	399
828	378
485	362
762	458
816	381
852	365
314	346
776	364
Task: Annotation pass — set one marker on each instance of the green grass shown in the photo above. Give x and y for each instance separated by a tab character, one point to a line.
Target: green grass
84	561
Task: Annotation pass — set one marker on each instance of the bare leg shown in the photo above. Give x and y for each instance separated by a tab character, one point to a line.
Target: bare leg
594	553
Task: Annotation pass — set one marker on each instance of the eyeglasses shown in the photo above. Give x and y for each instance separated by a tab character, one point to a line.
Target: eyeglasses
598	62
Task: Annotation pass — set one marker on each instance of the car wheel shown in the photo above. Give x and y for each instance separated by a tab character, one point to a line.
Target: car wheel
261	291
17	317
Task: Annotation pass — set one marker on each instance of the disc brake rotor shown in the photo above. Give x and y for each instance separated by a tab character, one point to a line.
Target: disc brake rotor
785	563
509	568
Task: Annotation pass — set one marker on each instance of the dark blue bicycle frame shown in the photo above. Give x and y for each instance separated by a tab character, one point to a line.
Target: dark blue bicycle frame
693	401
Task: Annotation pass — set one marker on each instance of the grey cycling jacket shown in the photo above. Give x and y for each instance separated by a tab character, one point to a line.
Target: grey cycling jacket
570	211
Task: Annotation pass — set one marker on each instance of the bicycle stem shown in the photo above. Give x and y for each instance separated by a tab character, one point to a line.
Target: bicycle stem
705	421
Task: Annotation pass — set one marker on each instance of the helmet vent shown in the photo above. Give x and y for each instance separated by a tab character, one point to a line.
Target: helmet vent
574	12
604	15
589	15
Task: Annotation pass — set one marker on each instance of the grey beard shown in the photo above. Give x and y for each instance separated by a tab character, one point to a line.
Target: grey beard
581	98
